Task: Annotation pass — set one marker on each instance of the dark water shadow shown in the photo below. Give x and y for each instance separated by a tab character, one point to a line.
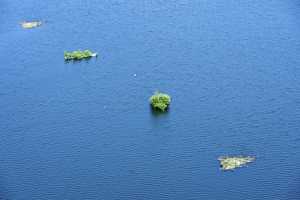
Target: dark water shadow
156	113
87	60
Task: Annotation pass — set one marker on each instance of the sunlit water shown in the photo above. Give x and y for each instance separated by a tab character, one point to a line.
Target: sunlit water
85	130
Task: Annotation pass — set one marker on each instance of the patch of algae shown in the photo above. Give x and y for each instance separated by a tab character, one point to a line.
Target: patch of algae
230	163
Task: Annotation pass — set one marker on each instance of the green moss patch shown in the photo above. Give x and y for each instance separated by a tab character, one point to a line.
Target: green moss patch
79	55
230	163
160	101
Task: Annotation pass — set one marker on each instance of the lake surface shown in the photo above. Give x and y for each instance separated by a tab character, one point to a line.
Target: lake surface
85	130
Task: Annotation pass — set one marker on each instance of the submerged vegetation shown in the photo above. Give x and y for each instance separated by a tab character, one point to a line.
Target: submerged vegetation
33	24
79	55
160	101
230	163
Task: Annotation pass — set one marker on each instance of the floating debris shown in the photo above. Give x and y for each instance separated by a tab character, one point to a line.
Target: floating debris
160	101
230	163
79	55
29	25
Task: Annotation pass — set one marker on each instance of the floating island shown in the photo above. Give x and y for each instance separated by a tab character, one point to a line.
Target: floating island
79	55
230	163
160	101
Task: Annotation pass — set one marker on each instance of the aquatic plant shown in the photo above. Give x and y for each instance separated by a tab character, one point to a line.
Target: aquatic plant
78	55
160	101
32	24
230	163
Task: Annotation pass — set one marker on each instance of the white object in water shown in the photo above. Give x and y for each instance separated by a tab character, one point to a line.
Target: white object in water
33	24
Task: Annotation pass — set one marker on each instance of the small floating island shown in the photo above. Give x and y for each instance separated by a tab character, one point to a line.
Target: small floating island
29	25
79	55
160	101
230	163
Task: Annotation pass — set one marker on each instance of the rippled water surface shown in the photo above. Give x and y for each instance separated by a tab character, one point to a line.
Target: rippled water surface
84	130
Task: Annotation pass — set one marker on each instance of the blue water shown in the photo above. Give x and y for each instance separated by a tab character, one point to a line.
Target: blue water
85	130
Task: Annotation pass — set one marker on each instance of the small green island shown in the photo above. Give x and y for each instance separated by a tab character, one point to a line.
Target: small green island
160	101
79	55
230	163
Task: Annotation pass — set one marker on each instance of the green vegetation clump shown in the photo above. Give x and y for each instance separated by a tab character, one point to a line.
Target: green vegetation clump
160	101
29	25
230	163
78	55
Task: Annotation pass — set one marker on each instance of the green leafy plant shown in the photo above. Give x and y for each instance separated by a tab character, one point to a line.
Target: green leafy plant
78	55
160	101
